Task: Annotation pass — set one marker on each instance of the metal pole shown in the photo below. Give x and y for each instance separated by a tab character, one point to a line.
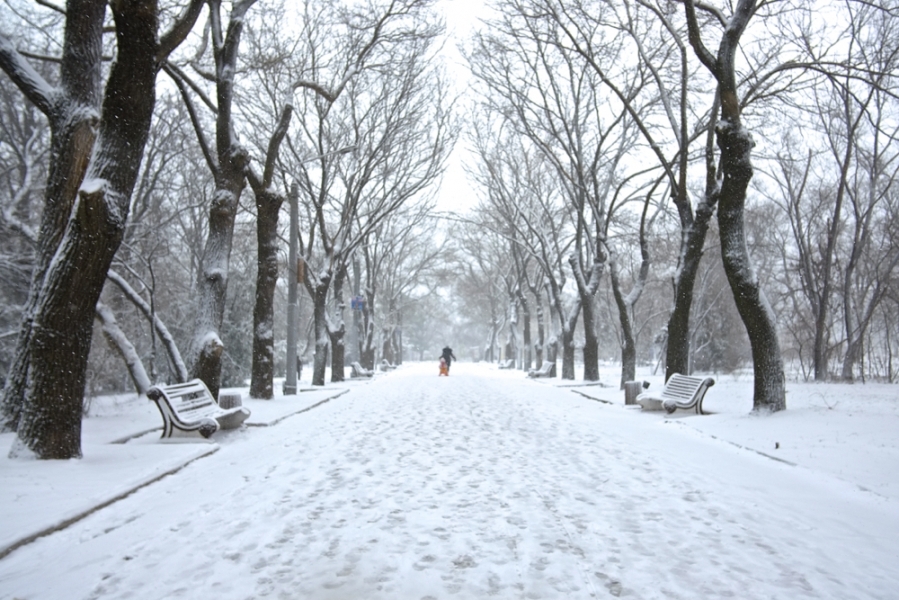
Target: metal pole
290	381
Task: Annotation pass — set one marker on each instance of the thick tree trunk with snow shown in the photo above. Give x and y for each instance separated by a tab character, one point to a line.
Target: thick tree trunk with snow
369	349
568	354
541	332
338	353
229	170
512	340
268	206
50	425
735	144
591	342
212	282
569	324
769	392
72	113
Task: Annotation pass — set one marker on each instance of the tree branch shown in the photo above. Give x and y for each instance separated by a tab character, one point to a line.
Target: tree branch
180	29
29	81
211	160
702	53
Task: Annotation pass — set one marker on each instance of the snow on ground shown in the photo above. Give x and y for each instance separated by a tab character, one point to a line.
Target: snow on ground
483	484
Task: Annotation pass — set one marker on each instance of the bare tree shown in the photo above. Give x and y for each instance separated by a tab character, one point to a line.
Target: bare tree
397	115
522	193
227	159
551	96
735	144
399	259
94	161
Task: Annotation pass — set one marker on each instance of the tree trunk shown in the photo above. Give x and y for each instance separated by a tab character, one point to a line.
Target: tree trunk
586	289
568	327
677	358
320	325
50	423
526	332
399	337
568	354
628	343
369	350
72	117
268	207
591	342
212	283
512	341
541	333
338	354
337	333
736	144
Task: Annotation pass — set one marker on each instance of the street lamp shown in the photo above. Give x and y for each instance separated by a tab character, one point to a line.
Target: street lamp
290	379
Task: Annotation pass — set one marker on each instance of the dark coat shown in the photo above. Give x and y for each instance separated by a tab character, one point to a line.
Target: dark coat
448	356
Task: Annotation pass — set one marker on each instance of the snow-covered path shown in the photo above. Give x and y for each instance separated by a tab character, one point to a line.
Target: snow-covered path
471	487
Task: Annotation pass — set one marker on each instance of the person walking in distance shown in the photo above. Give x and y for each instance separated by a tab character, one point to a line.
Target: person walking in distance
449	357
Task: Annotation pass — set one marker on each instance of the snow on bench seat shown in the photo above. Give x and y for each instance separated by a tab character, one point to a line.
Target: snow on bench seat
189	410
547	370
358	371
680	391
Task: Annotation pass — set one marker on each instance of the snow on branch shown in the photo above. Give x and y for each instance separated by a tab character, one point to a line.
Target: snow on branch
161	330
29	81
120	342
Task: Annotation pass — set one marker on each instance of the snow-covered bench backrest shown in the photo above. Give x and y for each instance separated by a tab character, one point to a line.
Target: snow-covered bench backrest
191	401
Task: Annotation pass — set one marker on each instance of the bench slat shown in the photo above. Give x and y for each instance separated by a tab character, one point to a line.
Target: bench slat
682	391
188	409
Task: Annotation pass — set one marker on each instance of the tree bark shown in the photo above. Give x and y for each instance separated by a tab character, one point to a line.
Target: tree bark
587	291
72	113
541	331
677	358
50	425
268	207
768	392
229	171
628	343
527	359
337	329
319	293
735	144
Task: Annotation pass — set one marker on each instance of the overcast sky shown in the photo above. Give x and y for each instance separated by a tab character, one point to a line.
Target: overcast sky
461	19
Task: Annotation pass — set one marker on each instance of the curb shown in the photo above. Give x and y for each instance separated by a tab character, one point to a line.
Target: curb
6	550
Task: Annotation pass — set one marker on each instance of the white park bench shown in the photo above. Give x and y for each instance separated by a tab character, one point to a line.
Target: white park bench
387	366
507	364
680	391
547	370
189	410
359	371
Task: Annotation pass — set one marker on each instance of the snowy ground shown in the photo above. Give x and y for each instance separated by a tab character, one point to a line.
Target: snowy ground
478	485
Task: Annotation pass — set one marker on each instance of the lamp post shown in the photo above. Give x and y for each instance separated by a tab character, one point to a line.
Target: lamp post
290	379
